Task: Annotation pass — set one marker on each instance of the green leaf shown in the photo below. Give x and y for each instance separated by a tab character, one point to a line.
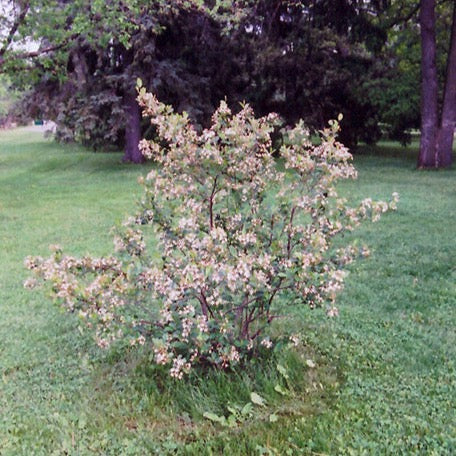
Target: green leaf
257	399
246	409
273	418
215	418
310	363
282	371
231	422
232	410
280	390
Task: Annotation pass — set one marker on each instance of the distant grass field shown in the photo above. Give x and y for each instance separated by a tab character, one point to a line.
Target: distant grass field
384	381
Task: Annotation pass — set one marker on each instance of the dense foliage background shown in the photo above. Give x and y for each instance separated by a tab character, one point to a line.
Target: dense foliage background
309	59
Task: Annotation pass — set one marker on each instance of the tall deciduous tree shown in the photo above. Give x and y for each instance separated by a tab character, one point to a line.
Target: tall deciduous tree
429	85
437	128
174	46
313	59
445	134
33	29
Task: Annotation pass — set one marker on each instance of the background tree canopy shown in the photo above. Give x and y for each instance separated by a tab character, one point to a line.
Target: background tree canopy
303	59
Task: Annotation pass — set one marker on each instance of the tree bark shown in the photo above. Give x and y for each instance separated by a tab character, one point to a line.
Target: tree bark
429	87
132	130
448	123
80	66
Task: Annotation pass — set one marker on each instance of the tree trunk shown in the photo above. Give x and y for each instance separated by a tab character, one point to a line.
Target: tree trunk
80	66
132	130
448	122
429	86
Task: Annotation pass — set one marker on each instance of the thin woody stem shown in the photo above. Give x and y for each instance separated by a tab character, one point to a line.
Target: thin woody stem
211	204
293	210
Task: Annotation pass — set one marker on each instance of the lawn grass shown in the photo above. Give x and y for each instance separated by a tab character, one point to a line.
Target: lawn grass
384	381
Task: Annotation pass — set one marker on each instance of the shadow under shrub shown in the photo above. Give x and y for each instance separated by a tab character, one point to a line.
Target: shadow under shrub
209	403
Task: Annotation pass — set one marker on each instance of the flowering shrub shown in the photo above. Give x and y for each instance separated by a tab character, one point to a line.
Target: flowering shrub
236	233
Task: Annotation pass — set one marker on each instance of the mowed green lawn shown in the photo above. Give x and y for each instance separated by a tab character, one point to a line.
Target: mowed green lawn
384	380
